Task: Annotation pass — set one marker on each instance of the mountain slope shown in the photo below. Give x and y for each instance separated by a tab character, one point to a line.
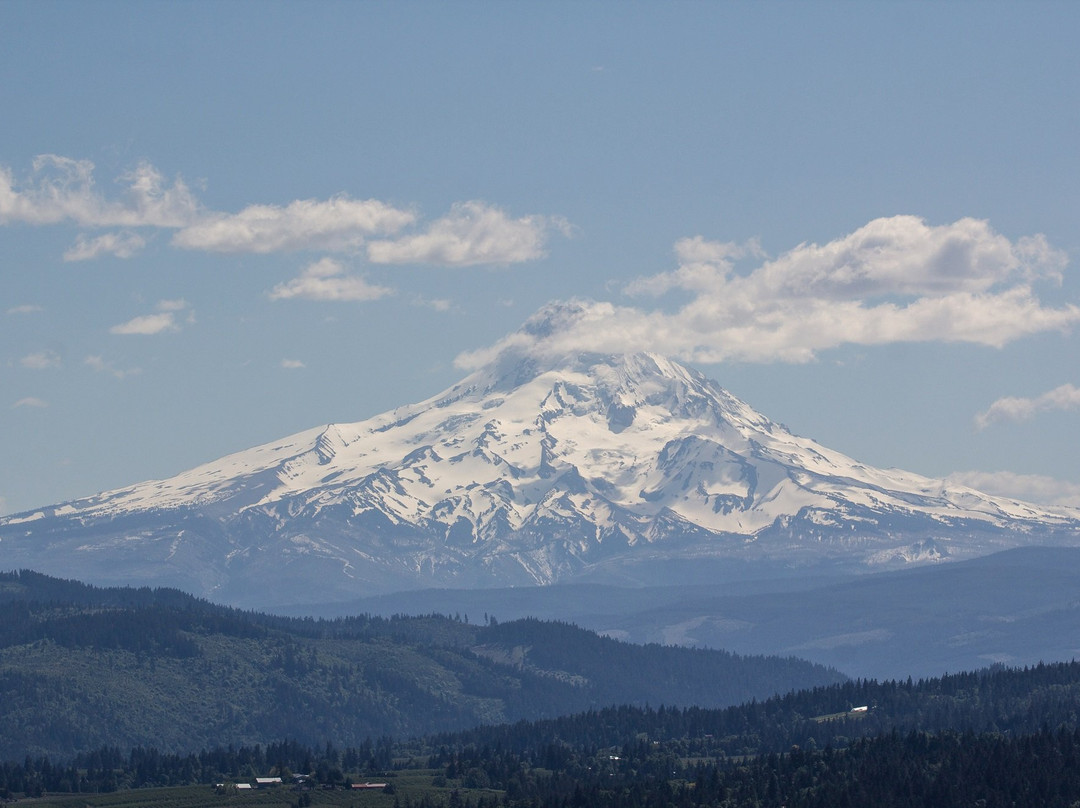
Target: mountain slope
592	467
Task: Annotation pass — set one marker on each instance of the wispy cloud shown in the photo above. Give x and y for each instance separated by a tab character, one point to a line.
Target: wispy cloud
1036	488
41	360
292	364
123	244
1014	408
336	224
327	280
165	318
435	303
893	280
30	401
472	233
147	324
26	308
99	364
62	189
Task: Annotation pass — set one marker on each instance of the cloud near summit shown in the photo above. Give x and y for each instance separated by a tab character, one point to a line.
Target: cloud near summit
895	279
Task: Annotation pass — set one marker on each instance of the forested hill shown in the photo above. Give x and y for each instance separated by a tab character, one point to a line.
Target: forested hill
82	667
997	700
998	737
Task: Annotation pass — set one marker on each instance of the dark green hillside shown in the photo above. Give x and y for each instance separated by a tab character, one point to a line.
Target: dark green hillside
82	667
661	674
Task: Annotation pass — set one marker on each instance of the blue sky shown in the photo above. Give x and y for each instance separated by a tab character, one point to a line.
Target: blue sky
222	223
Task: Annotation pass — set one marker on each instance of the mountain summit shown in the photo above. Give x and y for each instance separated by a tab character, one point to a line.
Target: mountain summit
628	468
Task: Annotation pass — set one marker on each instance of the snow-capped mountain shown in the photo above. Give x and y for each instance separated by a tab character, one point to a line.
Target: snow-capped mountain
620	468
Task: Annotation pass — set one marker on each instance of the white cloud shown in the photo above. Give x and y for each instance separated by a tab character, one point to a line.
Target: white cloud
41	360
292	364
435	303
893	280
702	265
1036	488
1013	408
902	255
123	245
147	324
326	280
26	308
336	224
99	364
473	233
62	189
166	318
30	401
